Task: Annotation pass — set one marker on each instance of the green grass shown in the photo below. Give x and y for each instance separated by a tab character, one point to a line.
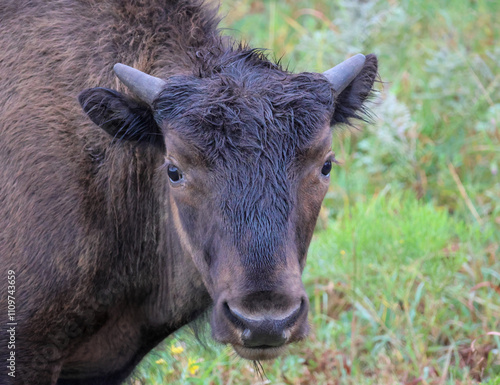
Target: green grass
403	273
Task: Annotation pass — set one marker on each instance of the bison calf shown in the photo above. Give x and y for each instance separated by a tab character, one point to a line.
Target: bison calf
193	180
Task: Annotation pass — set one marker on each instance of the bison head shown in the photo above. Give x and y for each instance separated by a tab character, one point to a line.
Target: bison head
247	159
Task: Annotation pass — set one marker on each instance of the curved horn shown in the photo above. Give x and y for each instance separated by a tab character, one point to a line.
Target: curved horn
344	73
145	86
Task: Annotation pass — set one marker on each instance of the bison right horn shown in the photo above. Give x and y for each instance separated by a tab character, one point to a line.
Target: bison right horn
145	86
344	73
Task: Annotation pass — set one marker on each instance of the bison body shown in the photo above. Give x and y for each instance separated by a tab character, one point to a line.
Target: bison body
127	220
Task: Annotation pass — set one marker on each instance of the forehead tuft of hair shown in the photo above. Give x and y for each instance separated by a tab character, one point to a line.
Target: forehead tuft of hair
241	102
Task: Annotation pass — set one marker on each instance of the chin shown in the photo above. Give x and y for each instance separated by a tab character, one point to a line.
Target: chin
258	354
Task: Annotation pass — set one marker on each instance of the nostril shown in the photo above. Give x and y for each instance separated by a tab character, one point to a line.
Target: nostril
234	317
295	314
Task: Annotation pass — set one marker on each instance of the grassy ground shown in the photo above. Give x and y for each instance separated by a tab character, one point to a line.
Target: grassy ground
403	273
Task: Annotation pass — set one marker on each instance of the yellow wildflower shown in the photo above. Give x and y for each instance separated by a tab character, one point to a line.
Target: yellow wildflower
176	349
342	252
161	361
192	367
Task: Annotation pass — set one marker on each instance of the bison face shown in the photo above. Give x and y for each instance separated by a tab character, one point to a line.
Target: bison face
247	222
247	158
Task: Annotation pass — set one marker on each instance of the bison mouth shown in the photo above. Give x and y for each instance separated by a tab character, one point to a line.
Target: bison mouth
259	353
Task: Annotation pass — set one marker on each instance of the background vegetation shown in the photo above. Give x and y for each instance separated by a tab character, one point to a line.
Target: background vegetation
403	274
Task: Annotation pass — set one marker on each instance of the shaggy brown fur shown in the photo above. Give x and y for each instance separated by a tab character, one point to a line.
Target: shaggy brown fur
109	258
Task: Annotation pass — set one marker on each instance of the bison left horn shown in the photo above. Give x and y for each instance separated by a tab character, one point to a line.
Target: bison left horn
344	73
145	86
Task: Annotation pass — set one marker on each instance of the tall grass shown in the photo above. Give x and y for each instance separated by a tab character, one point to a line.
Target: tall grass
403	273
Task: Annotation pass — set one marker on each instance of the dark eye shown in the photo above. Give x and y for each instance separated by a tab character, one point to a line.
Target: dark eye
174	174
327	167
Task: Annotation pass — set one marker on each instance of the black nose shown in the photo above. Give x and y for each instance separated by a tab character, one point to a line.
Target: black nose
263	337
264	331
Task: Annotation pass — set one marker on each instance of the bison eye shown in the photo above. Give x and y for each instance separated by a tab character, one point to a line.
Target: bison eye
327	167
174	174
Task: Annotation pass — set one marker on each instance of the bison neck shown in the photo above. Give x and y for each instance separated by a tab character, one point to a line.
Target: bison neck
144	285
143	248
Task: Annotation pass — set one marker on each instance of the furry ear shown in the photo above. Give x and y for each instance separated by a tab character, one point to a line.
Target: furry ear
120	116
349	103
